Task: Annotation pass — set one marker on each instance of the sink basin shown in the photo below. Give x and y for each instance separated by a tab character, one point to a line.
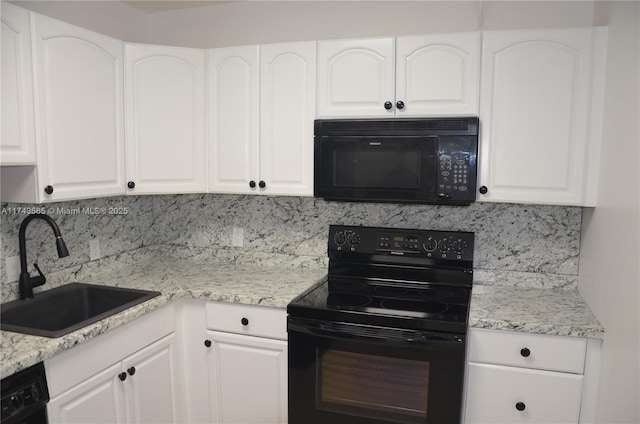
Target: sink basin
59	311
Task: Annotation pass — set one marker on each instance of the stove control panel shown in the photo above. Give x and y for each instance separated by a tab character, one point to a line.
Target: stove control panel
397	242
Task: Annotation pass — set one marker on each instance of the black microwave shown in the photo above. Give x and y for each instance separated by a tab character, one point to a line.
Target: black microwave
399	160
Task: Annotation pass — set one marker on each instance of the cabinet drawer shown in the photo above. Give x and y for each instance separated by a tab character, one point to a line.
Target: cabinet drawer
250	320
499	394
553	353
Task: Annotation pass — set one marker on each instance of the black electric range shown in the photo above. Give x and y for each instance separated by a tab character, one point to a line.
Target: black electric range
382	338
412	279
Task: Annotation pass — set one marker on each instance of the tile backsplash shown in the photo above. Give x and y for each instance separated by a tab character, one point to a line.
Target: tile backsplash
525	245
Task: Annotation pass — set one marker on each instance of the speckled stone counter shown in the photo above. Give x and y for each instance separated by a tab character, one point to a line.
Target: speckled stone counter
174	279
542	311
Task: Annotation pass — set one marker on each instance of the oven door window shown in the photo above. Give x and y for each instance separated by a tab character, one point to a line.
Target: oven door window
372	385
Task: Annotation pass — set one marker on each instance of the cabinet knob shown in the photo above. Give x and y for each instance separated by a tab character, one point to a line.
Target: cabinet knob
388	105
400	104
483	189
131	184
244	321
252	184
122	376
262	184
131	370
525	352
48	189
207	343
520	406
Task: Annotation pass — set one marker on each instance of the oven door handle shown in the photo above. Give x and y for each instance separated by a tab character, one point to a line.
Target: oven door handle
340	330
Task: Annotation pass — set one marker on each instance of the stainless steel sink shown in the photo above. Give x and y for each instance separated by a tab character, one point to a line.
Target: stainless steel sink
59	311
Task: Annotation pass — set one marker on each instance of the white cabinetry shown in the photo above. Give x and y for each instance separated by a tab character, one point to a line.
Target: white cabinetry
262	106
17	142
287	111
404	76
541	114
165	111
79	117
528	378
127	375
233	75
247	359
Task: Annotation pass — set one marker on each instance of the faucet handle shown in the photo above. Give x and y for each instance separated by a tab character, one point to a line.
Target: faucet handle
40	279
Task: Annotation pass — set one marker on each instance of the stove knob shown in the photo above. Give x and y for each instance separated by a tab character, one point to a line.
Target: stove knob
430	245
354	239
17	401
459	246
444	245
339	238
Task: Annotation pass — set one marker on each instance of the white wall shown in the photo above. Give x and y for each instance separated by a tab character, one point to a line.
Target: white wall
610	248
113	18
254	22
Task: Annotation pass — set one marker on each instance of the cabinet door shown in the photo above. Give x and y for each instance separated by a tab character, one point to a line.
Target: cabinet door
100	399
233	118
287	111
248	379
535	114
356	77
438	74
150	388
79	111
17	142
498	394
165	119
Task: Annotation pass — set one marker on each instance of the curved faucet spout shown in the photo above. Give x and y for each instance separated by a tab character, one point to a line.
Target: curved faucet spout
27	283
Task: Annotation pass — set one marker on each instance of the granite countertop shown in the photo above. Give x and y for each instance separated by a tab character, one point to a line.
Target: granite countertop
541	311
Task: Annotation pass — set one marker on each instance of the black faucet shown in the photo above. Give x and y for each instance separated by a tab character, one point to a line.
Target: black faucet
26	283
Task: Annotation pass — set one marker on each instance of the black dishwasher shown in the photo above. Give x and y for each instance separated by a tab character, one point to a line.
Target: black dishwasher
25	396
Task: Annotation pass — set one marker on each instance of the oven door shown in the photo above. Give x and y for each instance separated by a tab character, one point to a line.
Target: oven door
356	374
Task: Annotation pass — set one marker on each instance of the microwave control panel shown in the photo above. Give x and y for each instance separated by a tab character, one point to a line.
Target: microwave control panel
456	169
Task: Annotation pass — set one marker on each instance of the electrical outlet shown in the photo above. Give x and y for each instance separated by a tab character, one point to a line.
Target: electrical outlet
13	268
238	237
94	249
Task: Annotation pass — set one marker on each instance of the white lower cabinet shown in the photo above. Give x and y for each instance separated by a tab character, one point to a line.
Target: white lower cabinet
499	394
125	376
247	363
529	378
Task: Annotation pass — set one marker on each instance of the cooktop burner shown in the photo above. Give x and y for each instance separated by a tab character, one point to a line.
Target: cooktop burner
412	279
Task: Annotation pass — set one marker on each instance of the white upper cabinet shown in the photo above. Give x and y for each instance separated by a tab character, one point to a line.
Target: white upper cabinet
541	115
261	112
438	74
79	117
165	111
233	75
17	142
287	111
406	76
356	77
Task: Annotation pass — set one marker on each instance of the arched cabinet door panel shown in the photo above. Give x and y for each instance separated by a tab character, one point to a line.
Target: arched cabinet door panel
540	115
356	77
287	111
17	141
438	74
233	77
165	107
79	111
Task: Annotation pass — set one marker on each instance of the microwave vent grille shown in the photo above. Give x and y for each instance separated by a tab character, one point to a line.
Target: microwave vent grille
397	126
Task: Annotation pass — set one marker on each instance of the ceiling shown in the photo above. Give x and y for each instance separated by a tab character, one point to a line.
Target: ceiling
154	6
